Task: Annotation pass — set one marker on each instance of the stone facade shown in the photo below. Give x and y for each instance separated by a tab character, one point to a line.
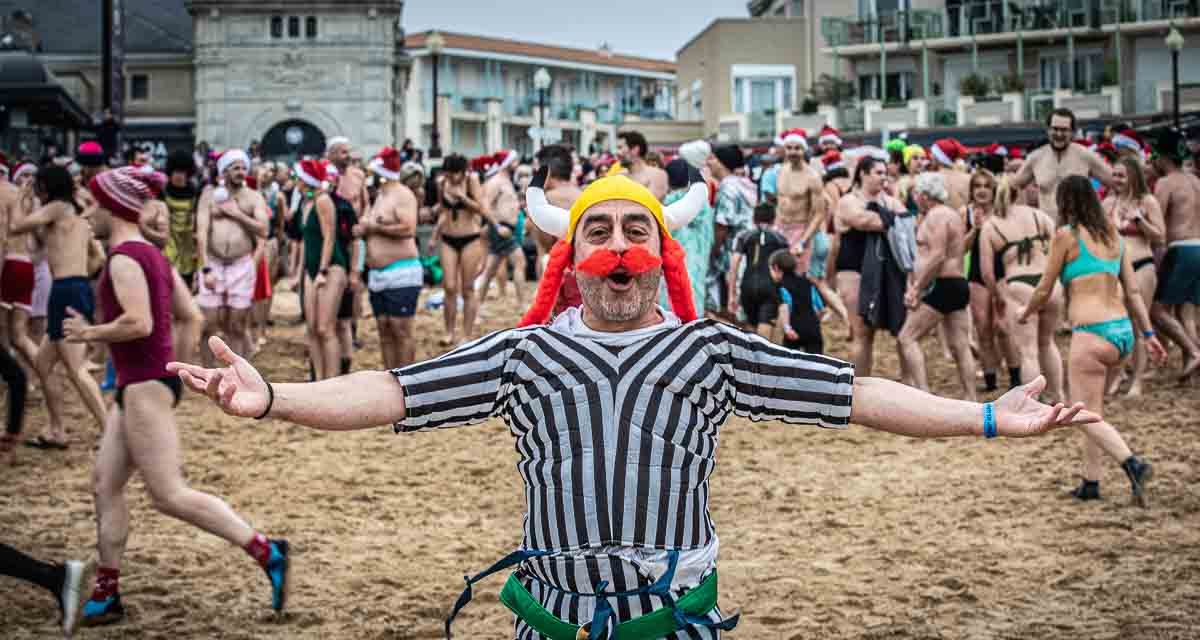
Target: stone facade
344	80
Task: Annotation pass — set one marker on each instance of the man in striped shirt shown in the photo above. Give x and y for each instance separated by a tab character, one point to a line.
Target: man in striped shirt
616	407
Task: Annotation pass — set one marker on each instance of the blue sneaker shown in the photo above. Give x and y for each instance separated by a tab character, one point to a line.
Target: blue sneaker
277	572
102	612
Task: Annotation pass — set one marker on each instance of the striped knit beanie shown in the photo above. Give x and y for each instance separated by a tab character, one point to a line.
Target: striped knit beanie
125	191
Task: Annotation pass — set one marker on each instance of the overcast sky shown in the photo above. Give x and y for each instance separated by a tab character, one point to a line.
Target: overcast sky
654	28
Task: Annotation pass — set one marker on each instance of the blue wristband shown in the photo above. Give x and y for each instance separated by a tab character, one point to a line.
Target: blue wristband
989	420
1148	333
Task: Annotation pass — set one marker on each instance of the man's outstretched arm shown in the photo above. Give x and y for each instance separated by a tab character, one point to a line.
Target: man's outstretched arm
896	408
358	401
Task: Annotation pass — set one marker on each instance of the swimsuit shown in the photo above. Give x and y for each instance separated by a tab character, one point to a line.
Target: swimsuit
853	249
948	295
181	236
1118	331
314	238
1179	275
394	289
1024	248
143	359
234	286
74	292
458	243
16	283
1131	228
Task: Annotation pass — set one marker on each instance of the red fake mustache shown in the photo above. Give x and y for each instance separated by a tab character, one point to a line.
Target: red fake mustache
635	261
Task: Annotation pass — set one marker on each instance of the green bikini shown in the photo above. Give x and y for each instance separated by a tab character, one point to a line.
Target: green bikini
1119	331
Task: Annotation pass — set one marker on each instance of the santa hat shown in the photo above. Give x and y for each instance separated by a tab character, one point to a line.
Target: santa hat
561	223
125	191
1015	153
387	164
832	160
995	149
24	168
829	135
502	160
90	154
337	140
796	135
314	173
946	151
229	157
1128	139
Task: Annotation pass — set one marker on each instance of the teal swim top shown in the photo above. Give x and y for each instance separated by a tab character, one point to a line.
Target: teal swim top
1087	264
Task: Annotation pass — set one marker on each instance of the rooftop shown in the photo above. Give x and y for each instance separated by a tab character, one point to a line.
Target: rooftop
73	26
566	54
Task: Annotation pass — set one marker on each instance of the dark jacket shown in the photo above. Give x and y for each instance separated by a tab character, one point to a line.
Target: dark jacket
881	294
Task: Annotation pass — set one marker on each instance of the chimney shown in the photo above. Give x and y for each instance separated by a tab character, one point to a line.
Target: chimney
605	50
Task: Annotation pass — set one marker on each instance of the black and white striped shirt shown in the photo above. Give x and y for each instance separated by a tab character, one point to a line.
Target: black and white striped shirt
617	433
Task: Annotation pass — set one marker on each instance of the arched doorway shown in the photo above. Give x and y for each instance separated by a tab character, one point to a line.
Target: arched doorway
293	140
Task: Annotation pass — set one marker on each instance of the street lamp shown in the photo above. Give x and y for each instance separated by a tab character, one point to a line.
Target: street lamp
436	43
1175	44
541	81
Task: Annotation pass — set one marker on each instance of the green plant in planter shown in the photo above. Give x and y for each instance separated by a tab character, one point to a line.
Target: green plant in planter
1011	83
974	85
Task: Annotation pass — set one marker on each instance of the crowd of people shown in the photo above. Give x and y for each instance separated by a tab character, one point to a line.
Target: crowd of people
140	272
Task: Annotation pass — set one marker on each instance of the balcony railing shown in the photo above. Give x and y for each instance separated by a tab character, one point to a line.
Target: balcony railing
983	17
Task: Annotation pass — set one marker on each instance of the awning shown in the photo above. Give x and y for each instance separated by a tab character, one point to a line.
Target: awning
30	96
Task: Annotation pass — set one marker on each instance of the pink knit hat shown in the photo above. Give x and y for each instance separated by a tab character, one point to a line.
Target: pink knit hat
125	191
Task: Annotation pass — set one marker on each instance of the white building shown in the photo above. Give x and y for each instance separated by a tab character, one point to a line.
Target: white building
295	73
488	101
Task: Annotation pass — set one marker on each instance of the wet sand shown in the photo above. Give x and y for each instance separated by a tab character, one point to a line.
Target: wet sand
824	534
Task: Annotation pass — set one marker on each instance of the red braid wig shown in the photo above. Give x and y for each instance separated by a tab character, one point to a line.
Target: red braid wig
674	266
679	285
552	278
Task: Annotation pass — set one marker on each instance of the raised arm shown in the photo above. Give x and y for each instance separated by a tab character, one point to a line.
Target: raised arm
1025	175
896	408
44	216
357	401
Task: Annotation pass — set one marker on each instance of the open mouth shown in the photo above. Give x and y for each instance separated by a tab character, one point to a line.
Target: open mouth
620	278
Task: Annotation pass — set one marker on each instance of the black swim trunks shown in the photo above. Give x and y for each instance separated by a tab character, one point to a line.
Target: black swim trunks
948	295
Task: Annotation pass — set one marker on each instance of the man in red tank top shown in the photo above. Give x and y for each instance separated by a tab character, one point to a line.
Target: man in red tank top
138	294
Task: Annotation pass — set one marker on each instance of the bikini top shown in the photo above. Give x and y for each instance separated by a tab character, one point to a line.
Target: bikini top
1087	264
1024	245
1130	227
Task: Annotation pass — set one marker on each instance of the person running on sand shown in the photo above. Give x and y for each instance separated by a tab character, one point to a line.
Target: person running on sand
138	295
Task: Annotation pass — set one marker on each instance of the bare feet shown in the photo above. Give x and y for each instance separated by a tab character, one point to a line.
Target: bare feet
1135	390
447	341
1190	365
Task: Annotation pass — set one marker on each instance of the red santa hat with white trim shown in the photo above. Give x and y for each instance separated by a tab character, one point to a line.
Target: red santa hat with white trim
387	164
502	160
996	149
946	151
314	173
829	135
832	160
796	135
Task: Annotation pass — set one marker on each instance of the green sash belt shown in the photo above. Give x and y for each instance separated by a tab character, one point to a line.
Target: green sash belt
663	622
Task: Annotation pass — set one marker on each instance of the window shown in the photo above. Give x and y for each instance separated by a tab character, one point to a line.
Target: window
310	27
139	87
899	86
293	26
277	26
797	9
